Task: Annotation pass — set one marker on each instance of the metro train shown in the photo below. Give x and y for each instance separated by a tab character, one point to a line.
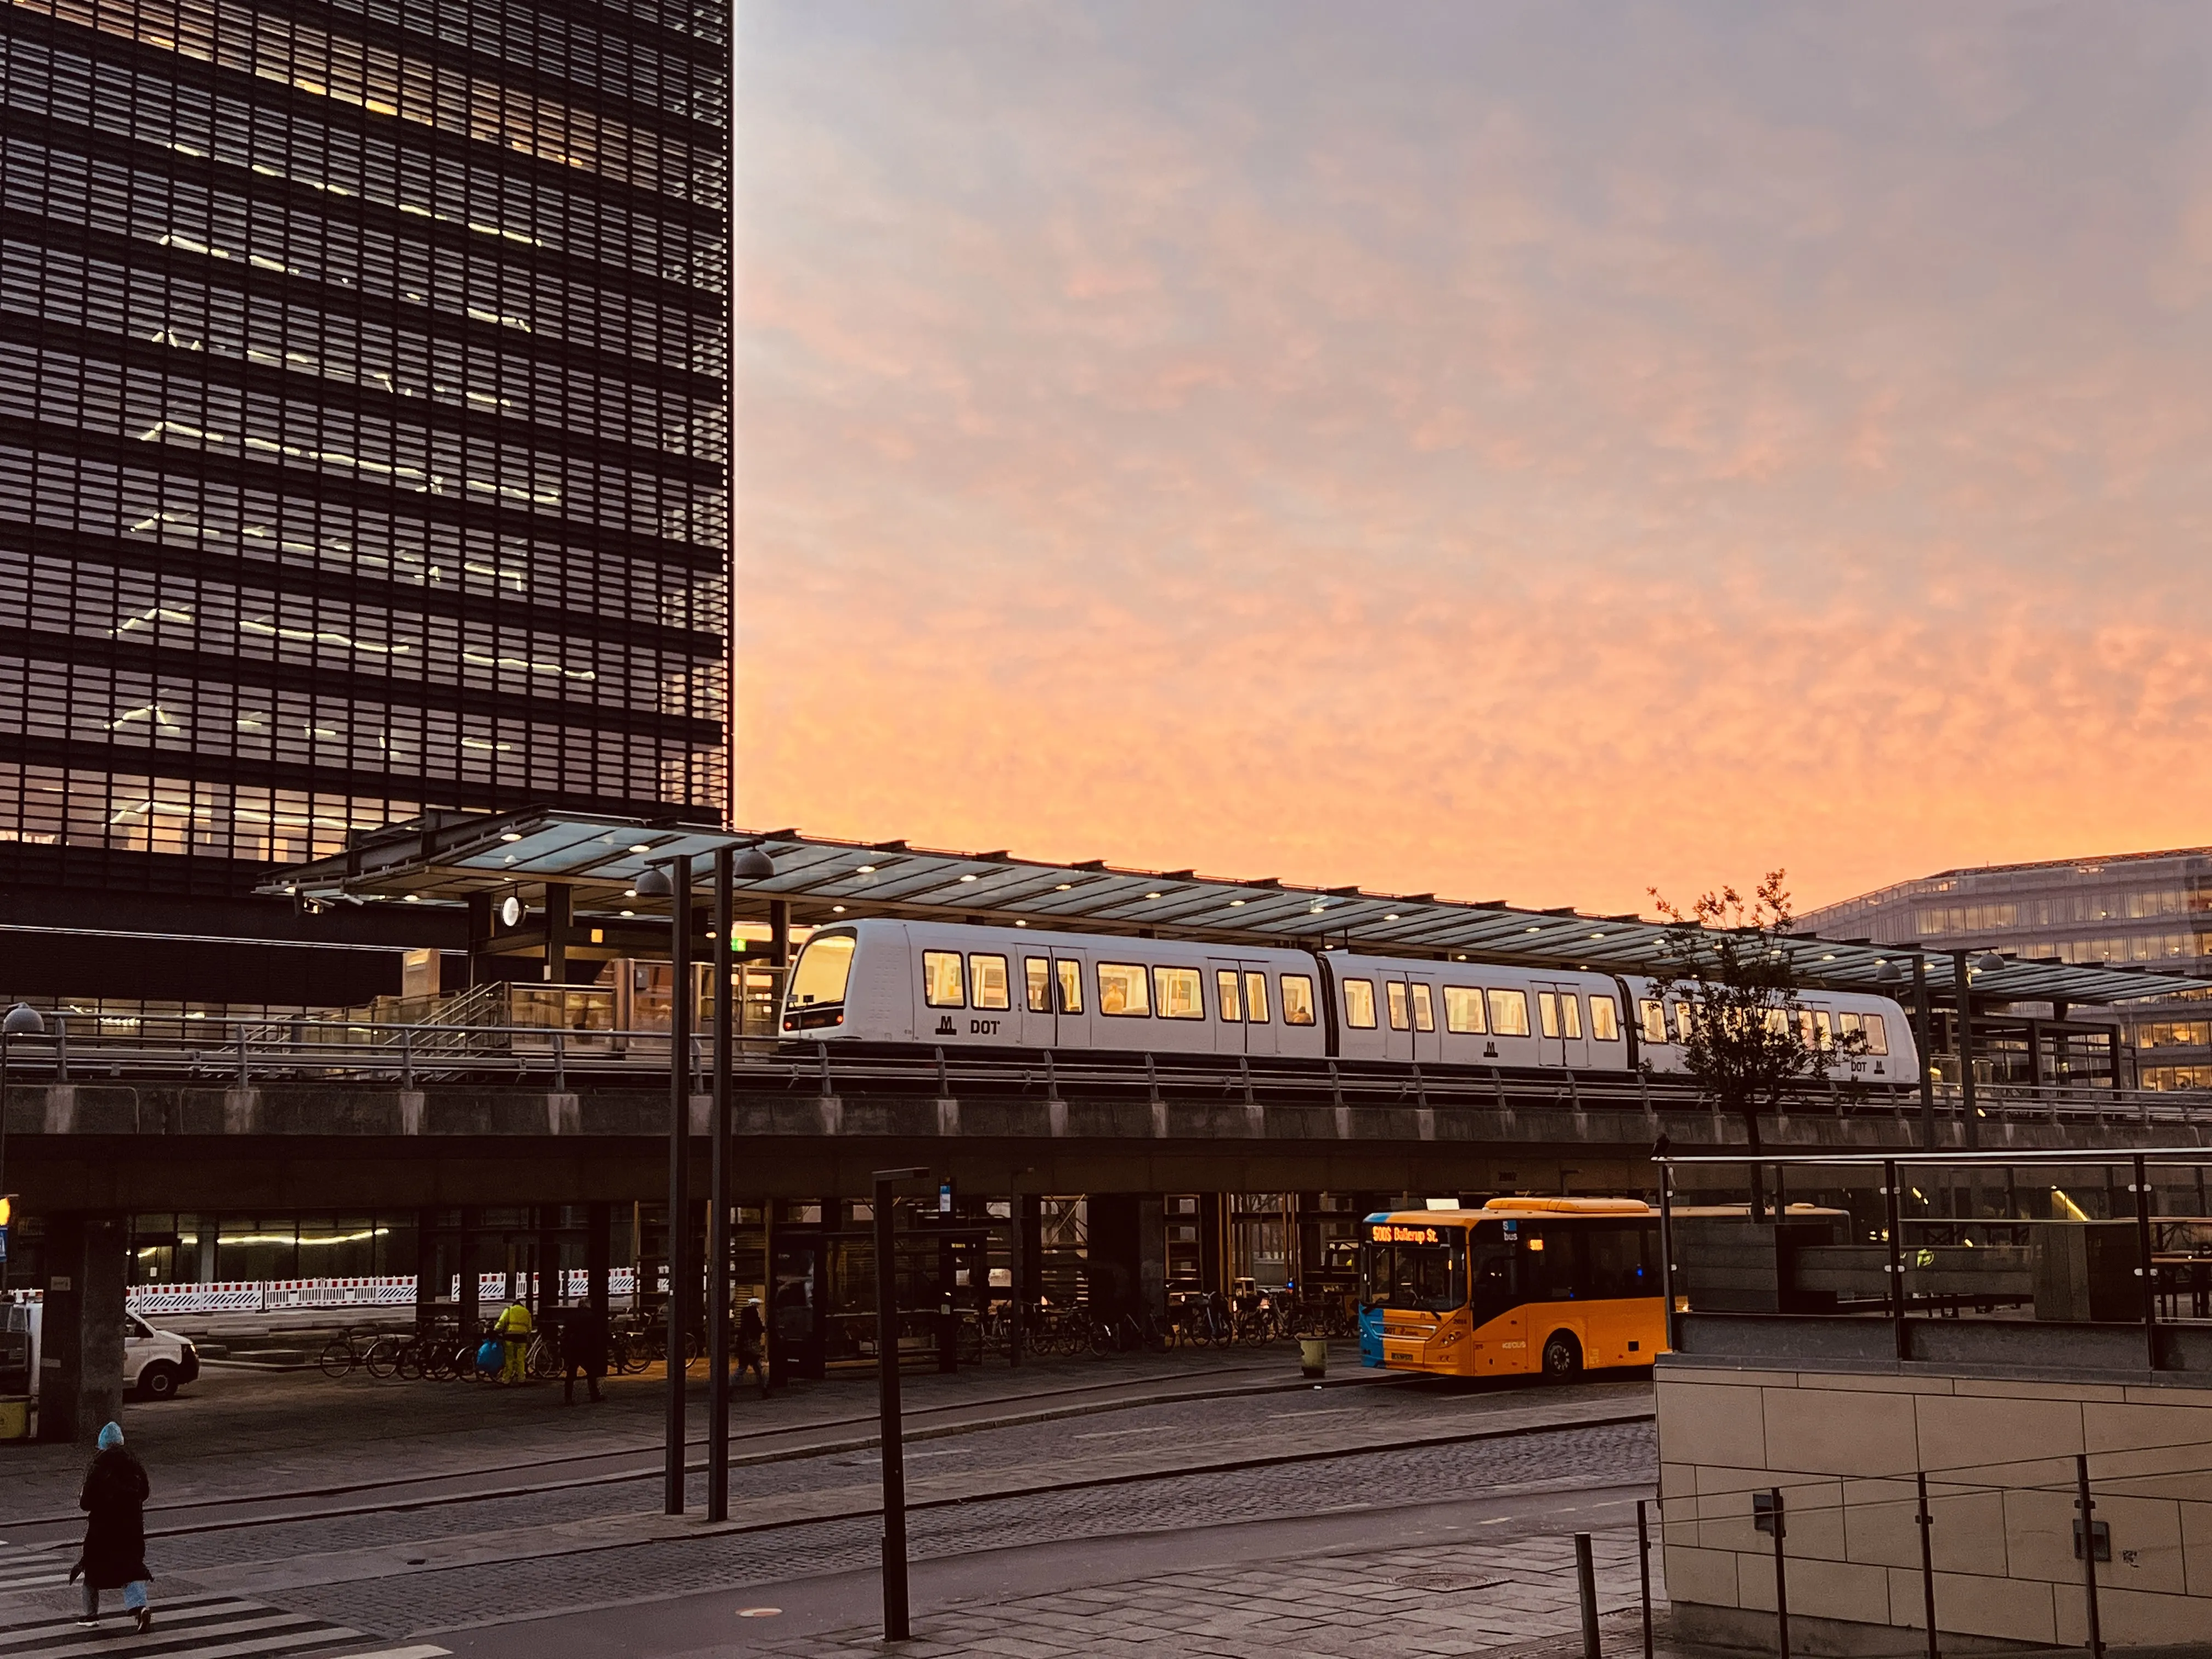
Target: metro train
965	987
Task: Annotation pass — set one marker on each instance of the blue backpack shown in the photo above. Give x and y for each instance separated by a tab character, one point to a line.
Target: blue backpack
492	1355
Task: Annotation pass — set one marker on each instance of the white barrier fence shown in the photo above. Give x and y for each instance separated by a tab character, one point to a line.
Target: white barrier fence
275	1295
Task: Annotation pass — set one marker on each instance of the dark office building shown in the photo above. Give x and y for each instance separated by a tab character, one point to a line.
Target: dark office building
2147	910
364	439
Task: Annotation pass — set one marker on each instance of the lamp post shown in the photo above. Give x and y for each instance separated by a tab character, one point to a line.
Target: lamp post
671	879
730	864
887	1405
22	1020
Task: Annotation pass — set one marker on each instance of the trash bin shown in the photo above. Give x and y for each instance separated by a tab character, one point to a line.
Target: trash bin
15	1417
1313	1356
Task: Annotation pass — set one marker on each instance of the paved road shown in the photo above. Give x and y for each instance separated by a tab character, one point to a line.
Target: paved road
394	1536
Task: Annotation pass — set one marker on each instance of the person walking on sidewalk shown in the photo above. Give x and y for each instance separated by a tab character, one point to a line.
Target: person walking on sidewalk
752	1345
512	1329
583	1348
114	1557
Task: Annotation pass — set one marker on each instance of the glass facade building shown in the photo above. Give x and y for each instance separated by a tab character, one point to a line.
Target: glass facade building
364	423
2153	910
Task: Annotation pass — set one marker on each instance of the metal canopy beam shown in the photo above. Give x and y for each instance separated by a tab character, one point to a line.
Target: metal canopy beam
601	858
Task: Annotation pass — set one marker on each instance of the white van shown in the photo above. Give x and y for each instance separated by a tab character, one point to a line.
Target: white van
155	1362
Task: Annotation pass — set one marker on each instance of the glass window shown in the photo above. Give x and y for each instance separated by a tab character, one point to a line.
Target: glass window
1255	998
1123	989
1605	1019
1877	1035
941	979
1225	987
1777	1021
1548	1011
1359	1003
1653	1012
1613	1261
1178	991
1805	1026
1298	999
987	975
823	967
1071	985
1038	971
1424	1008
1683	1021
1400	1020
1571	1013
1464	1010
1824	1029
1509	1013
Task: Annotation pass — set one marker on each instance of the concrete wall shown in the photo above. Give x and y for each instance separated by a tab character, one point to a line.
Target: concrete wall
1999	1455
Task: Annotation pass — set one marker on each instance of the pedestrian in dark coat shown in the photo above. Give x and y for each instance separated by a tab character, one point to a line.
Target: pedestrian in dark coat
583	1348
114	1557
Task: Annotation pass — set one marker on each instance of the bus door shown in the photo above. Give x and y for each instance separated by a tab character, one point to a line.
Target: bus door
1410	1019
1243	1006
1562	1038
1501	1333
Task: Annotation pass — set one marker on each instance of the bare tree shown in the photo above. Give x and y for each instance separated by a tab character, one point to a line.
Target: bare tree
1728	959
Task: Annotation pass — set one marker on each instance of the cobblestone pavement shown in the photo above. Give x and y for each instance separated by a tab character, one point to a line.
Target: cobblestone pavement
428	1601
1515	1596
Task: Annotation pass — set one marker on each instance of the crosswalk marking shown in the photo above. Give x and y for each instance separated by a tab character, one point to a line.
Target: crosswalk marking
33	1572
188	1627
420	1650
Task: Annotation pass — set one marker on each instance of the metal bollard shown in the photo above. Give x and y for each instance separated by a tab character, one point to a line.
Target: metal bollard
1586	1584
1643	1572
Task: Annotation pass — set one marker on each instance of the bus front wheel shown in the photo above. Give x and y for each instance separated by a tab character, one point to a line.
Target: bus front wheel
1562	1358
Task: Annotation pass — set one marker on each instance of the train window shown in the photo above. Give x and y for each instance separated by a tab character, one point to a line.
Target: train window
1605	1019
1123	989
1226	984
941	979
987	974
1777	1021
1071	986
1400	1020
1509	1013
1571	1013
1298	999
1255	998
1424	1008
823	968
1359	1003
1548	1011
1464	1010
1653	1014
1805	1027
1178	993
1824	1029
1877	1035
1038	971
1684	1019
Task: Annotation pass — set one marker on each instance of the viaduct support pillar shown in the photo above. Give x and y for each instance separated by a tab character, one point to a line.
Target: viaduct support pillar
598	1256
465	1254
81	1342
1128	1254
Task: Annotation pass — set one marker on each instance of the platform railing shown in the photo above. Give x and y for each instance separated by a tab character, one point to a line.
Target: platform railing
245	1052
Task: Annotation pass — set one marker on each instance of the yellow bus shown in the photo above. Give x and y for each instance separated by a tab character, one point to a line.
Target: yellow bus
1549	1286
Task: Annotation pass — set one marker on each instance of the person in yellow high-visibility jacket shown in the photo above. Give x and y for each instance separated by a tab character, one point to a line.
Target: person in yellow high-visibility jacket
512	1328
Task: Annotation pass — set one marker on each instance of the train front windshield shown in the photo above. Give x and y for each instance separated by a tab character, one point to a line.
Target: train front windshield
1416	1267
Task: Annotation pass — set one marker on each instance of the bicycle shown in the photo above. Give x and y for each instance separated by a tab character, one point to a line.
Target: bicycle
342	1354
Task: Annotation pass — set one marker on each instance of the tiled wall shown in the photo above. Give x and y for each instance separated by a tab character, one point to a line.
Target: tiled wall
1999	1456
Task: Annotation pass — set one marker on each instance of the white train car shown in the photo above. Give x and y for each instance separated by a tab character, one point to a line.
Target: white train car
1889	1055
957	986
1474	1013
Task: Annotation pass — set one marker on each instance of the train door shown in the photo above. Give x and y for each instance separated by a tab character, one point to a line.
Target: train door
1055	1014
1242	1003
1563	1039
1409	1009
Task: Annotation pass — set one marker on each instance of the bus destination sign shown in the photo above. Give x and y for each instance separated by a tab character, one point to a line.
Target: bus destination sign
1392	1233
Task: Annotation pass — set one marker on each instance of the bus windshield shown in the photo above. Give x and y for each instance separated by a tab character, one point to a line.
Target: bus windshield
1428	1277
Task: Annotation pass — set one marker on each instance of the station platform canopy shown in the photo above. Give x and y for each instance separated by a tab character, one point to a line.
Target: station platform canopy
450	858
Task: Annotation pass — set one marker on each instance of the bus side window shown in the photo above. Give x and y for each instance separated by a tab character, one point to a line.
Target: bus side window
1547	1262
1613	1259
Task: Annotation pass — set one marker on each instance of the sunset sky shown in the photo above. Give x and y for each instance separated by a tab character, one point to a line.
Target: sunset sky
1536	451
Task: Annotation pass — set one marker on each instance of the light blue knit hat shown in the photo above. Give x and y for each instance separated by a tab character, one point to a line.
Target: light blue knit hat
111	1437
